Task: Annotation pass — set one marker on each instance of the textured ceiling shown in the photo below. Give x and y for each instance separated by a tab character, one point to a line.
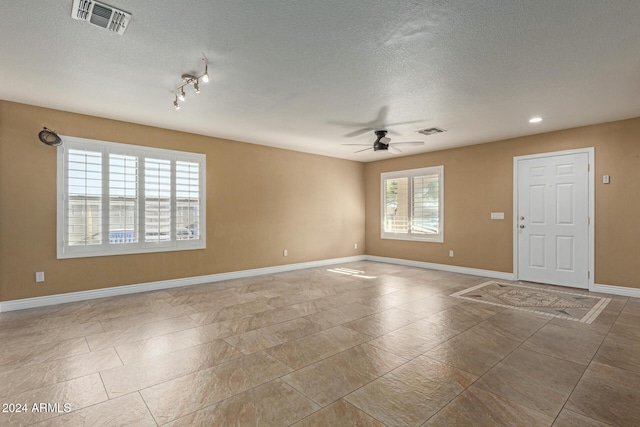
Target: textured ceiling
302	74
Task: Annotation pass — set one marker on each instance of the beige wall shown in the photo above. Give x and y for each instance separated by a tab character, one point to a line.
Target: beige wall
479	180
260	200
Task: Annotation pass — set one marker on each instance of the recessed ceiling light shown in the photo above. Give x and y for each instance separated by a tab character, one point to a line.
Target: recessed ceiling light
535	120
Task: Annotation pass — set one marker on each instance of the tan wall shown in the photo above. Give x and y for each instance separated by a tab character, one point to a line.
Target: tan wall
260	200
479	180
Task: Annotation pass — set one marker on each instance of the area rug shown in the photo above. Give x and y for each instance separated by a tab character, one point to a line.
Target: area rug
547	302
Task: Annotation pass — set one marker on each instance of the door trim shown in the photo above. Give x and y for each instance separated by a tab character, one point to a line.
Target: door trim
591	194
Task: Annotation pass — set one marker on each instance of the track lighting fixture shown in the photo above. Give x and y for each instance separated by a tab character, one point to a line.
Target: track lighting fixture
190	79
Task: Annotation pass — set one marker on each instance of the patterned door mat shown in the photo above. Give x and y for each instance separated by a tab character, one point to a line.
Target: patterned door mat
564	305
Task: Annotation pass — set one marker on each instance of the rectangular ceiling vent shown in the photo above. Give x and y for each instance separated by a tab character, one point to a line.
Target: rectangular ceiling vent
100	14
430	131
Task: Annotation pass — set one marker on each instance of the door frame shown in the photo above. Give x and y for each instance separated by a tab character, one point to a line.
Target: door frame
591	194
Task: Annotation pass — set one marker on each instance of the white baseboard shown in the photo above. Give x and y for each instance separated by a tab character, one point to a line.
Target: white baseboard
22	304
443	267
603	289
26	303
616	290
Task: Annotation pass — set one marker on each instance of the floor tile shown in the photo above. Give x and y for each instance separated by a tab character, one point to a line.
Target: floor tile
404	343
275	349
478	408
270	404
383	322
339	375
166	401
231	312
132	320
260	339
340	315
464	316
623	330
569	418
35	314
475	350
607	394
65	333
312	348
216	302
124	306
129	410
147	372
412	393
339	414
14	358
515	324
295	298
77	393
534	380
574	345
619	352
55	371
33	324
100	341
429	305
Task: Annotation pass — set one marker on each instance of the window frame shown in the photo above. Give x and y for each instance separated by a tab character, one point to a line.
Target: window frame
409	174
64	250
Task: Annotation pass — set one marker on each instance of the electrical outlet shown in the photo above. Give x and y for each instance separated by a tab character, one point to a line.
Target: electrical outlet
40	276
451	254
355	246
285	253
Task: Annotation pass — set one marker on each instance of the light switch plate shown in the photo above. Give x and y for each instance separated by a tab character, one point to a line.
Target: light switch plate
497	215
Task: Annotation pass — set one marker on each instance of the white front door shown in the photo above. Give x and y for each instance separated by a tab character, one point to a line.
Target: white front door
553	219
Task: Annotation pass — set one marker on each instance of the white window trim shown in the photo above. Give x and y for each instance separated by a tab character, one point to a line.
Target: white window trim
64	251
436	238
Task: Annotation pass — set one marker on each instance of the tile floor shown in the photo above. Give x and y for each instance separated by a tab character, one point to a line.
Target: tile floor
360	344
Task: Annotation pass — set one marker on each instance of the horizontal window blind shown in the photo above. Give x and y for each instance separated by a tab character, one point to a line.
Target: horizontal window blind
83	223
120	199
412	204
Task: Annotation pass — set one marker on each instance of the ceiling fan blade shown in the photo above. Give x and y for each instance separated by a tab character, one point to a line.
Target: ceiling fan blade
394	149
358	132
347	124
404	123
381	118
360	151
408	143
384	140
369	144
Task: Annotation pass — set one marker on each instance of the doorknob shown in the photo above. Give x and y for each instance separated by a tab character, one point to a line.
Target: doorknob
521	225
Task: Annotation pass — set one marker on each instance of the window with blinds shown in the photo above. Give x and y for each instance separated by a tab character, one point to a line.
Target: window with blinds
121	199
412	204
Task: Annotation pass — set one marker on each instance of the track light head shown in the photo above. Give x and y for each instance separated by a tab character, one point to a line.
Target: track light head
196	87
205	76
175	104
181	94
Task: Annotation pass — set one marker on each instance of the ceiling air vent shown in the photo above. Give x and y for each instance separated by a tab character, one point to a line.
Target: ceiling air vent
100	14
430	131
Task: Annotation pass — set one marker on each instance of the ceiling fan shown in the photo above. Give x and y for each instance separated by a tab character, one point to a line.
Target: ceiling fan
383	143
